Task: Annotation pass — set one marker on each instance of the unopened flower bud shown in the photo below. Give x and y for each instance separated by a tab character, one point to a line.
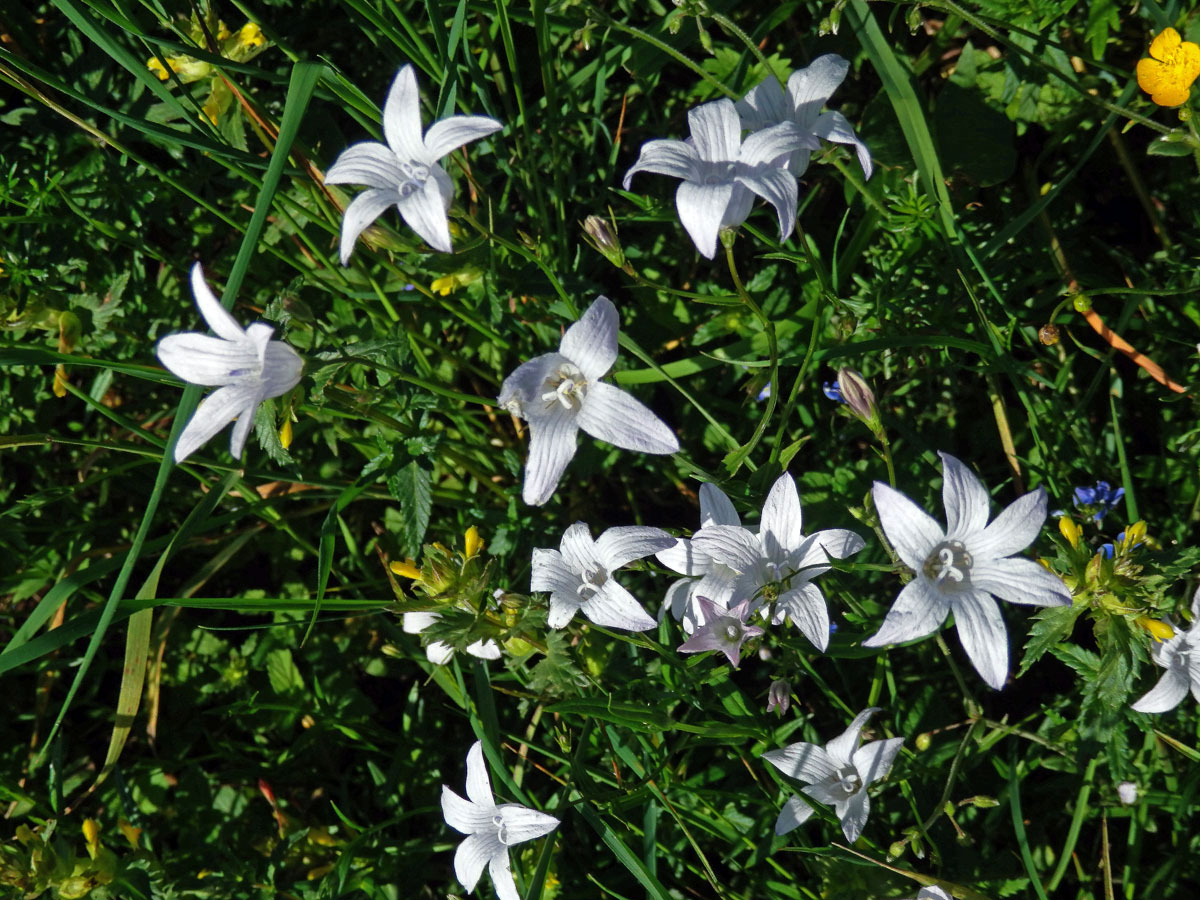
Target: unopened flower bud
858	395
897	849
981	801
472	542
1159	630
923	742
602	236
1127	791
1135	534
1069	530
779	696
407	569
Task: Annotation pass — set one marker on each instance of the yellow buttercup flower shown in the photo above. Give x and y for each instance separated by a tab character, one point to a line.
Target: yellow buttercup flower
1173	65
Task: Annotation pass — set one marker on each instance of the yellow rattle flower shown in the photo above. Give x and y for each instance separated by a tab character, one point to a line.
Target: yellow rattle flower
1168	75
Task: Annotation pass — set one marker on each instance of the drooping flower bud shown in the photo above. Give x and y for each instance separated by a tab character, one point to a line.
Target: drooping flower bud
779	696
858	395
603	238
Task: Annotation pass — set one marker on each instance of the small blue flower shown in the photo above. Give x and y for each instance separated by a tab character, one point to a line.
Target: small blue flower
764	393
833	391
1108	549
1099	500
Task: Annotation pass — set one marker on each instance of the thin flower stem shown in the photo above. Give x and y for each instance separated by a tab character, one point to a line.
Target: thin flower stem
972	706
738	456
737	32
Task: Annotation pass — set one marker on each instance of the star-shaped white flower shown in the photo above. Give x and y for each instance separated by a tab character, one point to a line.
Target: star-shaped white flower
490	829
706	576
1180	656
837	775
579	575
559	393
439	652
720	172
808	89
245	362
962	568
779	562
404	172
723	629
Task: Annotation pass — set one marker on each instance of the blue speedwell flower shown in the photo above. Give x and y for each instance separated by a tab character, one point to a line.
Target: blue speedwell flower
1099	500
833	391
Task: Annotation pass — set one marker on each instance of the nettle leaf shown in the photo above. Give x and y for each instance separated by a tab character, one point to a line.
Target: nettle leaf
557	675
1084	662
1050	626
413	487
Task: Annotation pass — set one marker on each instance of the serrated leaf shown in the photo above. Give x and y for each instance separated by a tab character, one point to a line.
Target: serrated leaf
1050	626
413	487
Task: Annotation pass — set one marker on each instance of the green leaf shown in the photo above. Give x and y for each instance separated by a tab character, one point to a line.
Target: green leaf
1050	626
413	487
281	670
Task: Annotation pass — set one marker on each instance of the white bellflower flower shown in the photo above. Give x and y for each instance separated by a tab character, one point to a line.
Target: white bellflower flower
490	829
439	652
837	775
962	568
247	365
560	393
799	107
779	562
404	172
579	575
1180	656
721	174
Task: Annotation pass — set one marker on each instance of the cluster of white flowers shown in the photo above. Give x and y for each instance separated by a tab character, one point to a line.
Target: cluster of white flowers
736	579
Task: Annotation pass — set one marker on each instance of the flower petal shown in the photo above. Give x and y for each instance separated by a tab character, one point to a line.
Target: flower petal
717	509
550	572
563	606
1013	530
479	787
1020	581
833	126
965	497
217	316
439	652
578	549
591	343
488	649
764	105
620	546
425	212
802	761
781	527
551	446
809	88
676	159
614	607
702	209
610	414
730	545
523	388
463	815
918	611
683	558
679	601
1166	695
449	134
983	635
805	606
500	868
794	814
216	411
362	211
416	622
402	117
716	130
772	146
370	163
241	428
842	748
778	187
827	544
912	531
524	824
473	854
874	760
854	813
281	369
201	359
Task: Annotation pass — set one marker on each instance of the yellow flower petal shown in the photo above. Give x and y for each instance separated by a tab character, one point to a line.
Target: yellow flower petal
1168	76
1165	44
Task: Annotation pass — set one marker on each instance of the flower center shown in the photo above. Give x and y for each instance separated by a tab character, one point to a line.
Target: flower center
415	176
733	632
593	581
566	386
501	829
949	565
719	173
849	780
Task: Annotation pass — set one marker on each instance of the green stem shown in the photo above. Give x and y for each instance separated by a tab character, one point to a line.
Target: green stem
1081	808
734	461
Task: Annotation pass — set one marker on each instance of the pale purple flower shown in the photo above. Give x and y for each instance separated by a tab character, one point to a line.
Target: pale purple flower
1180	656
779	696
777	564
404	172
579	575
964	567
799	107
721	174
245	362
723	629
490	829
837	775
439	652
560	393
